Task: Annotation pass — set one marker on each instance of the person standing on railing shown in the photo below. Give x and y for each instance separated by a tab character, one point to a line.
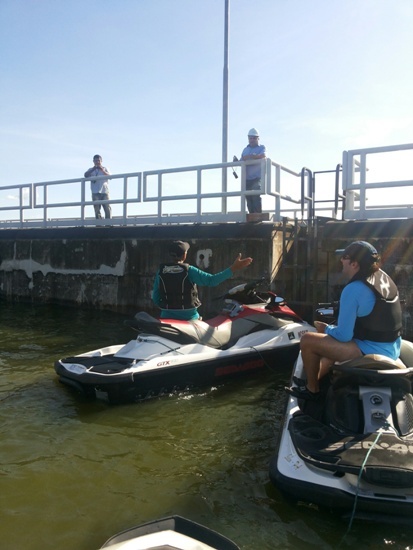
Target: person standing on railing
253	151
175	288
100	187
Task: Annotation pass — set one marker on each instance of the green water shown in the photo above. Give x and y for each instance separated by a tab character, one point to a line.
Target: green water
73	472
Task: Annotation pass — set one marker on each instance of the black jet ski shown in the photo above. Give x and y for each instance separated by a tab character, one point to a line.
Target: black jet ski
351	450
254	330
172	533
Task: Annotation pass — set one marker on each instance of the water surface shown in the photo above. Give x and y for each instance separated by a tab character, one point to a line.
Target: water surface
74	472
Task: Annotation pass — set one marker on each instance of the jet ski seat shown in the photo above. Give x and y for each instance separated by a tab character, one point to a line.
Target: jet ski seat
380	362
222	336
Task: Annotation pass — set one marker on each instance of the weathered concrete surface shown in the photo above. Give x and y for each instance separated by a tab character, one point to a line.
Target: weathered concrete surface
114	267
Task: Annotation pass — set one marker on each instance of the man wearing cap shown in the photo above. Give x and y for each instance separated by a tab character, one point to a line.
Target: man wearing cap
253	151
369	320
175	287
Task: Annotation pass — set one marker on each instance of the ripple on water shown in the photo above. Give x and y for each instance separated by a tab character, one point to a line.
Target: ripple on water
74	472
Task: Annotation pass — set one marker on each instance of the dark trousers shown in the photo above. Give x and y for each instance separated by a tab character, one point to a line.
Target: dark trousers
254	201
106	207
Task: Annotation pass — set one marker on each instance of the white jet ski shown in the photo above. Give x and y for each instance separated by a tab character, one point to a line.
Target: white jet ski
351	449
172	533
255	330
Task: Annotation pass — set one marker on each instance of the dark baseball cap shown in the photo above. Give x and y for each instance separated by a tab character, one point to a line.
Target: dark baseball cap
178	248
359	251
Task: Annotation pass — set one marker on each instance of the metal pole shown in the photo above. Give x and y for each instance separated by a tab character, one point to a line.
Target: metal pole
225	107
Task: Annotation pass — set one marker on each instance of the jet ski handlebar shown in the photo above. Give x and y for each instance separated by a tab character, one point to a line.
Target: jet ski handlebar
247	288
327	312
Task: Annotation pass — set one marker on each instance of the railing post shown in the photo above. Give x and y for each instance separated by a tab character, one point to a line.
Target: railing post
160	197
363	170
243	188
21	206
125	195
337	192
82	199
266	169
347	182
45	195
199	194
278	191
310	197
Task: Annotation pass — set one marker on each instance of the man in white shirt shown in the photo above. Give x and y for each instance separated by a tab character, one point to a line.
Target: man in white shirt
100	187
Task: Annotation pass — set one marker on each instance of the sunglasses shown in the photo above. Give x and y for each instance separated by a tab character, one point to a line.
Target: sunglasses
346	257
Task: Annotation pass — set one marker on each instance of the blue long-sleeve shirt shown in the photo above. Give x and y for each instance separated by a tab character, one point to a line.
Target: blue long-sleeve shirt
253	170
357	300
198	277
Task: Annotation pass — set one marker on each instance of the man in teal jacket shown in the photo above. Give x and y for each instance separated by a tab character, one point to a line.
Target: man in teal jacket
175	288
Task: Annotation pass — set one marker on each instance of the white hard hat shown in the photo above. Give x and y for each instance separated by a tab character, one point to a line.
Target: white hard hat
254	132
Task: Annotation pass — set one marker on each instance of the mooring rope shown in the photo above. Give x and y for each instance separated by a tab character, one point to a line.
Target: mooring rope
353	513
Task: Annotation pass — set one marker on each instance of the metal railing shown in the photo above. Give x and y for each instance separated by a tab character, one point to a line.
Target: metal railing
191	194
209	194
374	181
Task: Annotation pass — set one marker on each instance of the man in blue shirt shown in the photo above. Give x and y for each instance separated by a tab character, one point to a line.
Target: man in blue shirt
253	151
175	287
369	320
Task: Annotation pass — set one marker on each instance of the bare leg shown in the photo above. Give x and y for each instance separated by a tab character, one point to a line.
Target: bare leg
325	365
319	351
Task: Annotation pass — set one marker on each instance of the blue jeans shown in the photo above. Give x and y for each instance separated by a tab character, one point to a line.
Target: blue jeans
254	201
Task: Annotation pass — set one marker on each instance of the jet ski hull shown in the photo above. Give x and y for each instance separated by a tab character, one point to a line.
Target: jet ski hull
172	532
254	331
344	462
137	384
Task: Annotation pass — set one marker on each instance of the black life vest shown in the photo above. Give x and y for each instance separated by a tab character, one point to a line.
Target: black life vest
175	289
384	323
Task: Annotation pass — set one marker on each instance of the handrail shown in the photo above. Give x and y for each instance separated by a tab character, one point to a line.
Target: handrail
359	187
205	186
200	194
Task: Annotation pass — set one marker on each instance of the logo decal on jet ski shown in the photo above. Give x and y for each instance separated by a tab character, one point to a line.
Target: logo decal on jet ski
230	369
291	335
376	400
398	448
163	364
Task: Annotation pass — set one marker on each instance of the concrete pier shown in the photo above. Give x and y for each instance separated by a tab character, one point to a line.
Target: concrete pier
114	267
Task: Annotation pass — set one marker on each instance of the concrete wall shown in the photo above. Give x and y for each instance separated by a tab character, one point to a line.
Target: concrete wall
114	268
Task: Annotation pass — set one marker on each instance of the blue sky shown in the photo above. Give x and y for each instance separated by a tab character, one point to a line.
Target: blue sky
140	82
